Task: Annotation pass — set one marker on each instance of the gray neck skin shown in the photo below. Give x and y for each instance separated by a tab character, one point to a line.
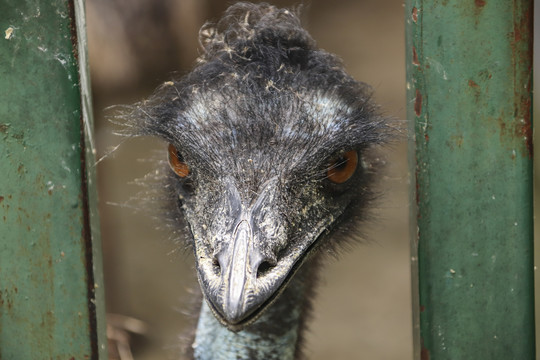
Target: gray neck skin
275	335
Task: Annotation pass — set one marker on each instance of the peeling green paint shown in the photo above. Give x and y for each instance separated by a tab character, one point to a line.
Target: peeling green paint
49	246
469	86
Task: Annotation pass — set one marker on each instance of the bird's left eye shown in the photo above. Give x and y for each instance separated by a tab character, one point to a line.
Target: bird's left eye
177	163
343	167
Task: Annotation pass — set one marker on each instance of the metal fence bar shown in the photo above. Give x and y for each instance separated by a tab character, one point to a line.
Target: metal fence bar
51	286
469	85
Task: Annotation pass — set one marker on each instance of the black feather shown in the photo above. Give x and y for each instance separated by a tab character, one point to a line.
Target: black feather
264	104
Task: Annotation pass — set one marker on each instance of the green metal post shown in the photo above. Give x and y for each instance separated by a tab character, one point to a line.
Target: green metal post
51	285
469	84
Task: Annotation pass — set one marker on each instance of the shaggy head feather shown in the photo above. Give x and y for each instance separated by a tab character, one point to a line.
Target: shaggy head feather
258	122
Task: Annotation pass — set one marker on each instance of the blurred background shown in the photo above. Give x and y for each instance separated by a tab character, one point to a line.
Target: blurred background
363	307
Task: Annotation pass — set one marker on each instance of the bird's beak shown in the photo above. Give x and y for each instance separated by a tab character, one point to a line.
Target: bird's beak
242	274
239	264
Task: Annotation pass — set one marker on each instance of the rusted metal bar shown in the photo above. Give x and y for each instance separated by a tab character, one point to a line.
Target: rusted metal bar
51	285
469	86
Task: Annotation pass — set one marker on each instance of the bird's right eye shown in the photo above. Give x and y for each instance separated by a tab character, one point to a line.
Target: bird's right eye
177	163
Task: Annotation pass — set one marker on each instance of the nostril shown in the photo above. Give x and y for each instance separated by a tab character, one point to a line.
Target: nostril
217	267
264	268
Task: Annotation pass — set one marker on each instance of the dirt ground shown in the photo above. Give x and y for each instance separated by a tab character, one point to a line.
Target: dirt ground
363	310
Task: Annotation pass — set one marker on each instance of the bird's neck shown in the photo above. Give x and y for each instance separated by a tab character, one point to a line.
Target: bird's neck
276	335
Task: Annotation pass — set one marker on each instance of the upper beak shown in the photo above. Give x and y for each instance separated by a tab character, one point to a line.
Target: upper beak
241	276
239	264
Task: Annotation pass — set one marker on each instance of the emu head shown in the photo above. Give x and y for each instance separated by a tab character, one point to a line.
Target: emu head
268	141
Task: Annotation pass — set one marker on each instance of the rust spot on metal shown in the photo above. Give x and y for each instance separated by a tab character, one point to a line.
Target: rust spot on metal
418	103
522	52
522	27
517	34
476	90
414	56
1	199
524	127
414	14
4	128
426	136
479	3
18	136
424	353
479	6
6	297
73	30
502	126
422	308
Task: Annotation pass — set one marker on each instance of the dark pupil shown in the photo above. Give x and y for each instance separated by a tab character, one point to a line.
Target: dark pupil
341	163
179	157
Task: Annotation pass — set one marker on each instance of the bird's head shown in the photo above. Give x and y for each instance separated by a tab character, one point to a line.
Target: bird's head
268	140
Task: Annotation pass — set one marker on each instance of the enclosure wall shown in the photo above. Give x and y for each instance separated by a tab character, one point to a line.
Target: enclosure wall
469	86
51	287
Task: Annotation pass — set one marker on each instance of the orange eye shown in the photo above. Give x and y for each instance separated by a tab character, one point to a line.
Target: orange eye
176	162
342	168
